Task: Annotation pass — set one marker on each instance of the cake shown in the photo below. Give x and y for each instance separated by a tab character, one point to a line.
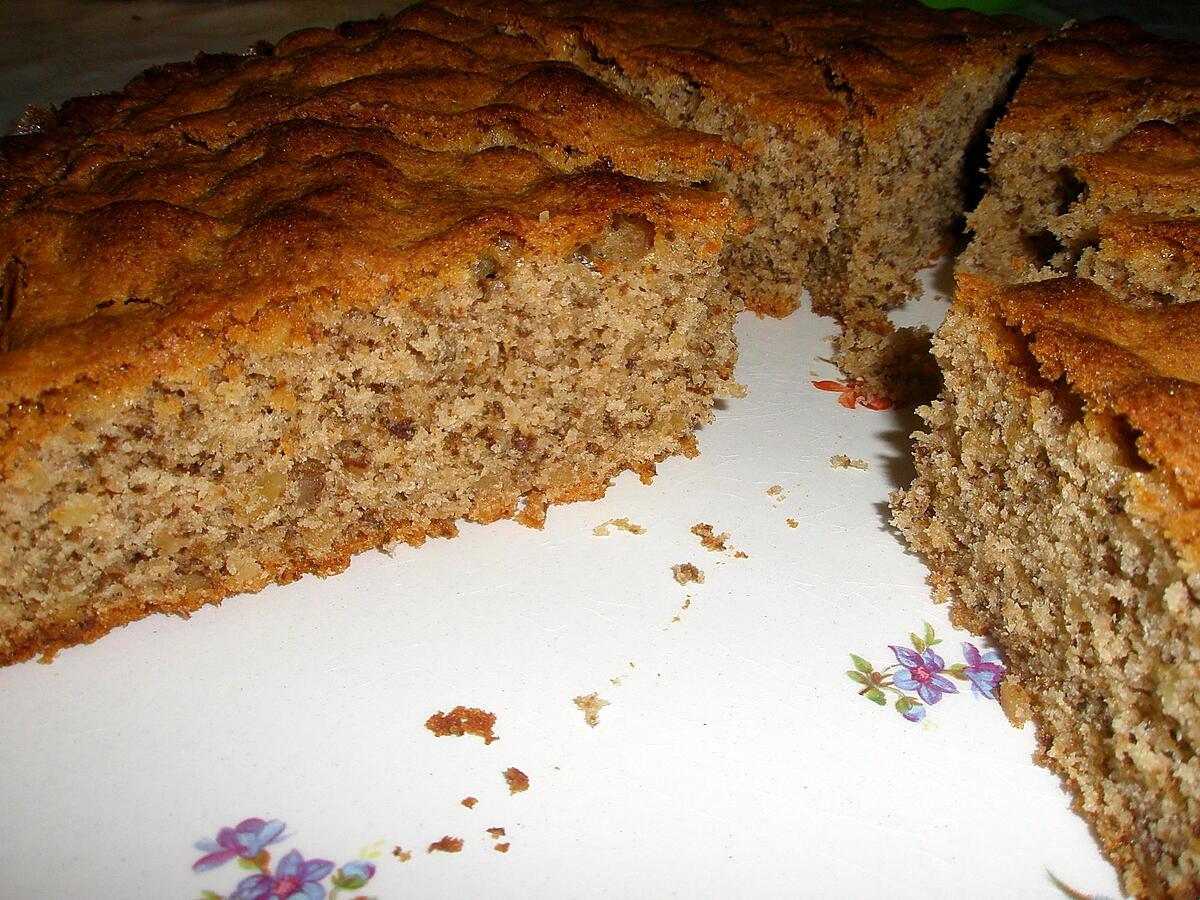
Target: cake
858	117
263	312
1135	229
1057	502
1057	496
1086	88
260	313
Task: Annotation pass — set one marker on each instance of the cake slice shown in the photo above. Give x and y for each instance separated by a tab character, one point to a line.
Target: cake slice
1135	229
1057	501
857	116
920	85
704	68
1086	88
260	313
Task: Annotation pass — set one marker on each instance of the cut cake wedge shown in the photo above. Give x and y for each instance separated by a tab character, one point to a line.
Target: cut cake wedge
1135	229
1086	88
260	313
1057	502
858	117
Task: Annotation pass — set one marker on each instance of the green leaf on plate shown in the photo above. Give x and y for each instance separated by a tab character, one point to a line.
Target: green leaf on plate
875	695
861	664
858	677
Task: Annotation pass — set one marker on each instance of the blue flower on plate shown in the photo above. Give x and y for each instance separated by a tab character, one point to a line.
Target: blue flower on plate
247	840
921	673
984	670
294	877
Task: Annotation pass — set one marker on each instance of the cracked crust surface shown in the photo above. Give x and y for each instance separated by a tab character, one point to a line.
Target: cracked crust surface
1086	88
336	164
1136	228
261	313
857	117
1140	364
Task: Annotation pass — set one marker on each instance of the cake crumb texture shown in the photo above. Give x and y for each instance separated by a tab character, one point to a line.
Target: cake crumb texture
264	312
1057	502
1087	87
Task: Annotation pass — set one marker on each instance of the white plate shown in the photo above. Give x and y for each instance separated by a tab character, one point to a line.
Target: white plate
735	757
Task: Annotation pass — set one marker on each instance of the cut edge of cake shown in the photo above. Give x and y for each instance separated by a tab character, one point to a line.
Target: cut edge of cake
1057	503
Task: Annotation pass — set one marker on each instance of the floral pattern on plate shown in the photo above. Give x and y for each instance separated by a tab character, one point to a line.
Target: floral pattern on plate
920	677
293	876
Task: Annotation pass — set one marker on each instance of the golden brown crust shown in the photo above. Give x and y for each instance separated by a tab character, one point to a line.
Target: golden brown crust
783	63
1094	76
1157	161
1141	364
718	46
341	166
889	54
1145	189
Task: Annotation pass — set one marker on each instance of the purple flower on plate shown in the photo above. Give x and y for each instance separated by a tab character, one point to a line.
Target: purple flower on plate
984	670
294	877
920	673
247	840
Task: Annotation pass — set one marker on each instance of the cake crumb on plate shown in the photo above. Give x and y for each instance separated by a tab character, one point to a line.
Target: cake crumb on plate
842	461
622	523
687	573
518	781
446	844
463	720
590	705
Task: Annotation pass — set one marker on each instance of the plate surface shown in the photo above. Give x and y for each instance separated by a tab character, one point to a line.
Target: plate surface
735	755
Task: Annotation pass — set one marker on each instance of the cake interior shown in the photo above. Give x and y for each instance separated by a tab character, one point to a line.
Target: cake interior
1025	507
789	193
318	432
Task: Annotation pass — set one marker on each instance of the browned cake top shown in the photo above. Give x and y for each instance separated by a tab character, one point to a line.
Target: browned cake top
1140	364
339	167
1097	76
721	47
786	63
892	55
1154	169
